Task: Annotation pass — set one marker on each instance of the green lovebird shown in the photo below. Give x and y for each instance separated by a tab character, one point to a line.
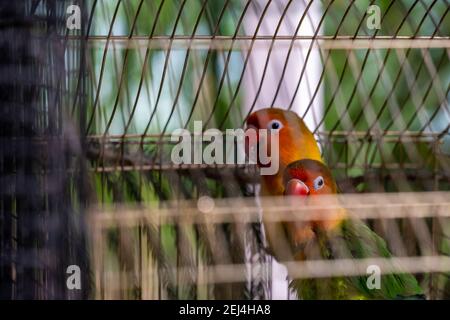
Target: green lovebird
337	238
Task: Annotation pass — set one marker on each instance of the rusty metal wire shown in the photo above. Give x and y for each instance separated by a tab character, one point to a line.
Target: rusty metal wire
376	100
89	114
408	38
394	213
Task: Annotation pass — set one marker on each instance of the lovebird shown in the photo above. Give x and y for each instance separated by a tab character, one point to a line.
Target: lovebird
296	142
339	237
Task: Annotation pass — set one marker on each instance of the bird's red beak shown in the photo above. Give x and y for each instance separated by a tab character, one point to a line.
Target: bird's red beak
296	187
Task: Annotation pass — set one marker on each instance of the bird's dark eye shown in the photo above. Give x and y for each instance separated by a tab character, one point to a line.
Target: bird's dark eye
275	125
318	183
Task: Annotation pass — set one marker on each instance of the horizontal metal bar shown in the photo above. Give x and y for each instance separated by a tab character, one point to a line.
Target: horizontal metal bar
244	42
231	273
163	167
276	209
189	167
398	134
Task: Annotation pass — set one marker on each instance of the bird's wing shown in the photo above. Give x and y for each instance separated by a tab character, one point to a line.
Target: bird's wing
361	242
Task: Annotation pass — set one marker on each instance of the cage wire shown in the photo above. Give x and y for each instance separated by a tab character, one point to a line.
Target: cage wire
376	99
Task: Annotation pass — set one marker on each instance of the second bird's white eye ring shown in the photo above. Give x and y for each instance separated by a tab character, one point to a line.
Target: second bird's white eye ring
274	125
318	183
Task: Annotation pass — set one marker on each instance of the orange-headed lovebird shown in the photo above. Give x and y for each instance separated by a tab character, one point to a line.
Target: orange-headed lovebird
338	238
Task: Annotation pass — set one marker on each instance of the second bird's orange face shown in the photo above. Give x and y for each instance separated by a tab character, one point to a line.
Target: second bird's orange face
308	177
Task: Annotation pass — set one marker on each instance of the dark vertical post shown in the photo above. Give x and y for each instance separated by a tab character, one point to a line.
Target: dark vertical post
41	232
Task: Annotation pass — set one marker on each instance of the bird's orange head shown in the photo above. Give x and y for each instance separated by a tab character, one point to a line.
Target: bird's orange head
308	177
296	142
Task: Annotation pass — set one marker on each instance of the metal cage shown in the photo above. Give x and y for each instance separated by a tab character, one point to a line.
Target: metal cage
371	80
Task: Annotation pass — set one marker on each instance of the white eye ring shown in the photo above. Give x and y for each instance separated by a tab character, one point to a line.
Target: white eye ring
319	183
274	125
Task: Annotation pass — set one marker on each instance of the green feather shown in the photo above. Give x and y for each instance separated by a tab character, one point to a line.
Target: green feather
354	240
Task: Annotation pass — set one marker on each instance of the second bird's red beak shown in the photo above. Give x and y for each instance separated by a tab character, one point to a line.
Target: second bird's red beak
296	187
